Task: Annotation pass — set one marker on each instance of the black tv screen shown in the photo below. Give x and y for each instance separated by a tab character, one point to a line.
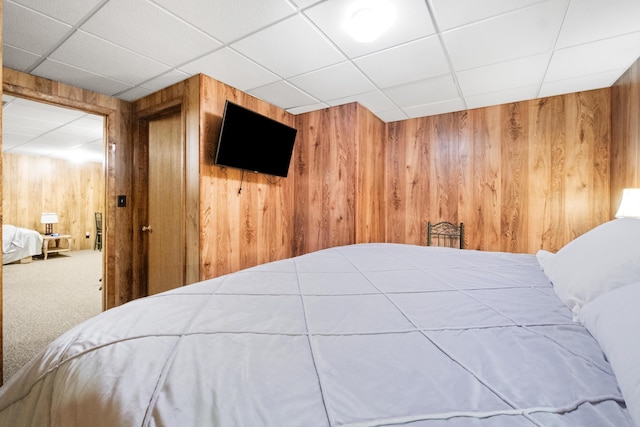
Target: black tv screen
254	142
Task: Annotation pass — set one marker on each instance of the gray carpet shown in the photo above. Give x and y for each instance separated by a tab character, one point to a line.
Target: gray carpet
43	299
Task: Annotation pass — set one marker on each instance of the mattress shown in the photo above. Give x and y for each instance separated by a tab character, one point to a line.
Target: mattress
360	335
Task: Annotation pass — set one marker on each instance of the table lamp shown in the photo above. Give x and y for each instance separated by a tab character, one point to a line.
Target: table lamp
48	219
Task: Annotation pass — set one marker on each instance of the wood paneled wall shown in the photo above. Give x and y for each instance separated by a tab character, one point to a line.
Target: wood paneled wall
371	207
32	185
339	178
625	134
522	176
239	229
325	179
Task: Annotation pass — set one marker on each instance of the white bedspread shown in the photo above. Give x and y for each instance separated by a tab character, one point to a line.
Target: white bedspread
362	335
18	243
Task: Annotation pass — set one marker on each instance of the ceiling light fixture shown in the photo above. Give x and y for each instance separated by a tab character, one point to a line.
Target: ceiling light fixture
366	20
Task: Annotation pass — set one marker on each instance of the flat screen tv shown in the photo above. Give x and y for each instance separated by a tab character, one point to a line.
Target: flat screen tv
254	142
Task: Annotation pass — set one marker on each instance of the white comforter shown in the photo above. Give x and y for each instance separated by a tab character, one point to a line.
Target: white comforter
362	335
18	243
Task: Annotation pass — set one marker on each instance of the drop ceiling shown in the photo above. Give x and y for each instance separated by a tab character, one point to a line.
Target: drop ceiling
439	56
37	129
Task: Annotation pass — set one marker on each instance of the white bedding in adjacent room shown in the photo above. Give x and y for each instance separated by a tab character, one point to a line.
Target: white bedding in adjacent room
361	335
19	243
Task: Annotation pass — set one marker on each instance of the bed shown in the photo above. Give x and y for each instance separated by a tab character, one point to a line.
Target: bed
361	335
19	243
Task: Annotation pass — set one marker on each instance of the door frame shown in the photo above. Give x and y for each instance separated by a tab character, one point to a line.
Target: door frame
109	172
140	189
117	118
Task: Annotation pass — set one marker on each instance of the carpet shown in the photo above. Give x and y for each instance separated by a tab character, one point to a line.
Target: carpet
43	299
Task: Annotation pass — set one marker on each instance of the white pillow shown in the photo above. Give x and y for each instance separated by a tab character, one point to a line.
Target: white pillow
600	260
614	320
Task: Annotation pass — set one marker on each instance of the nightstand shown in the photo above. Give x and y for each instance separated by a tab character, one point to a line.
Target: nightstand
61	243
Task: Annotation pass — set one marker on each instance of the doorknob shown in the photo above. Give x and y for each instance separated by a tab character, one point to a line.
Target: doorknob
146	228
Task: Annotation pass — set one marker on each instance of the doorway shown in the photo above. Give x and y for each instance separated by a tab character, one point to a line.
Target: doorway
54	162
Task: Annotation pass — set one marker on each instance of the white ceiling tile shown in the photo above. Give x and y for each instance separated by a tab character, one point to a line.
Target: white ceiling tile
412	22
42	112
227	65
45	146
522	33
228	21
68	11
502	97
63	138
579	84
454	13
307	108
435	108
25	122
31	31
95	55
589	59
11	140
164	80
64	73
423	92
23	126
283	95
392	116
148	30
134	94
590	20
31	150
333	82
18	59
90	127
420	60
503	76
375	101
289	48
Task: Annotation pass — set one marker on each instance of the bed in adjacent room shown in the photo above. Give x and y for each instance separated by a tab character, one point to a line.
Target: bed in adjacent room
19	243
361	335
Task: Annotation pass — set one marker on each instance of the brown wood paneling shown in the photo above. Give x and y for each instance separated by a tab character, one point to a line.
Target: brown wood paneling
117	242
239	229
625	134
514	176
32	185
325	178
408	183
522	176
370	184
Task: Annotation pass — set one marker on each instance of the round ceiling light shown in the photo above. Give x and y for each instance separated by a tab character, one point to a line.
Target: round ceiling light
366	20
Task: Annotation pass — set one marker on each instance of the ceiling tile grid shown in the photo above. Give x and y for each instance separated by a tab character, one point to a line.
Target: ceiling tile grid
34	128
438	56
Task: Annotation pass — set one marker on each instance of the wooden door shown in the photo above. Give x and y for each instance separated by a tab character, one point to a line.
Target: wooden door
165	234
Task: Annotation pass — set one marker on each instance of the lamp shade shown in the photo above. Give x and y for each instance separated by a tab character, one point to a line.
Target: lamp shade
630	204
49	218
